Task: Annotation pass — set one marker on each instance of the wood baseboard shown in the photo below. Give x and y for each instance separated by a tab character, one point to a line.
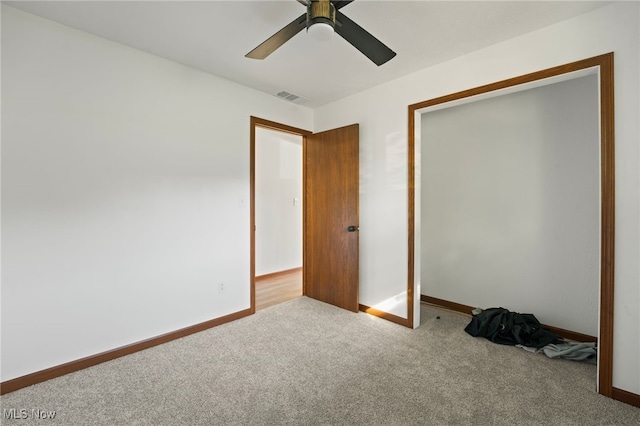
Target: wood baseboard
385	315
567	334
571	335
457	307
277	274
626	397
80	364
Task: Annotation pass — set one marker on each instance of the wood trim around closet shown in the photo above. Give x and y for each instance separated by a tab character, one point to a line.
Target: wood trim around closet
605	65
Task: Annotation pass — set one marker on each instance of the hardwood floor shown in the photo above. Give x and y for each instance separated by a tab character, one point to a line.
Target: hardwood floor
279	287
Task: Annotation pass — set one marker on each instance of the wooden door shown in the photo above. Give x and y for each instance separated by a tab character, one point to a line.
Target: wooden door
332	217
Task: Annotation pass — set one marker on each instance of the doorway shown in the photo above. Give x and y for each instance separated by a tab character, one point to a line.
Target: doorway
603	67
278	217
330	215
273	286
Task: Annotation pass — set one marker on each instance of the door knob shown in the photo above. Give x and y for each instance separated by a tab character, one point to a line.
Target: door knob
353	228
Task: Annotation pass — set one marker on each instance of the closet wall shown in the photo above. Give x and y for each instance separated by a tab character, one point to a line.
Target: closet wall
510	203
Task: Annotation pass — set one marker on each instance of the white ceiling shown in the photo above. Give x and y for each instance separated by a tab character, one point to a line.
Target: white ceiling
214	36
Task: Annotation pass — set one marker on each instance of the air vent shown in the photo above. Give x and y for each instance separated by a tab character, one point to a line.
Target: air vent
291	97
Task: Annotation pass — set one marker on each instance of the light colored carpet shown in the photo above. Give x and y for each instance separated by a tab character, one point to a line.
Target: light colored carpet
307	363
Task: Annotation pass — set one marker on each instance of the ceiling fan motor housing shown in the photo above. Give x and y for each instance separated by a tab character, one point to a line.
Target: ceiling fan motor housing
321	12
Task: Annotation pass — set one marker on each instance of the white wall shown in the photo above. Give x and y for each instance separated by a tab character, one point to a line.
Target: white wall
382	114
278	201
511	201
125	193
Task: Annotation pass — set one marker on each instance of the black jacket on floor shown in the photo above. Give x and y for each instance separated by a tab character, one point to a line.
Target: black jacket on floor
510	328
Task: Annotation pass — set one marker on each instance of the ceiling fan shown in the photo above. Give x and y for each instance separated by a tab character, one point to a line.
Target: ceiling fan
324	16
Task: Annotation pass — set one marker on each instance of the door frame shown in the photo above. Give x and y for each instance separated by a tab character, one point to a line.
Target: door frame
271	125
604	64
256	122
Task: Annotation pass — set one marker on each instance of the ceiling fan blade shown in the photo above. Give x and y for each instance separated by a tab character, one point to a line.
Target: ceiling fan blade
359	38
268	46
341	3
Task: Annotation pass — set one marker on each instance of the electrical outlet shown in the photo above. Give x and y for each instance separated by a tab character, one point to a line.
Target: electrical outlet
220	288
